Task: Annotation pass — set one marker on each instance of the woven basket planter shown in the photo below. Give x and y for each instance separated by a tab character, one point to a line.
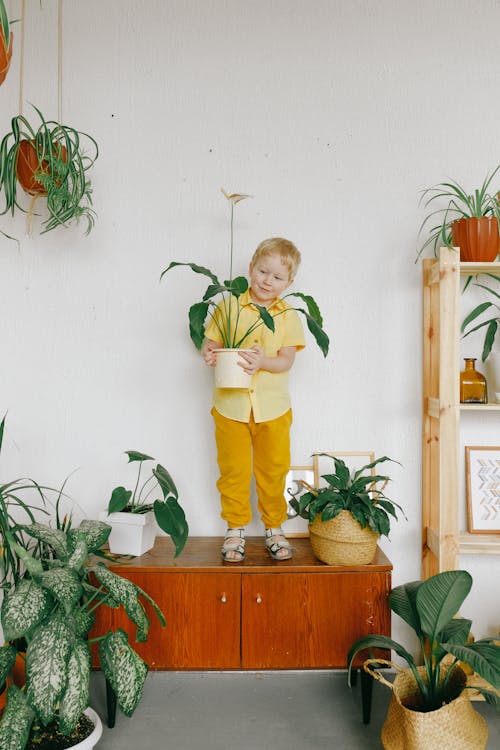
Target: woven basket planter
457	725
342	540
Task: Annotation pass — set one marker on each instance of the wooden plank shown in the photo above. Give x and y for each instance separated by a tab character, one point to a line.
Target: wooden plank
471	269
479	544
433	407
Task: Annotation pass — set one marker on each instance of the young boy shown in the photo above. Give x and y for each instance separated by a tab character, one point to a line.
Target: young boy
252	427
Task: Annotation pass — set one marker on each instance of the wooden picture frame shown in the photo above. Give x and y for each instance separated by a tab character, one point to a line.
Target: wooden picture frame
295	525
482	488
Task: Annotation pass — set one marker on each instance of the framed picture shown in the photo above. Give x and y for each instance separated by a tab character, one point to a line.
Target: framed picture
353	459
482	485
295	525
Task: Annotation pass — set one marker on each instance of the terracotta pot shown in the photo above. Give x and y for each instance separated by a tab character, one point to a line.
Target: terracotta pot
28	163
5	56
478	239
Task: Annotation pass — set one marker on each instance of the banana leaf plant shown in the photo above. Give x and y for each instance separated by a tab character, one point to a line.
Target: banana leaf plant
168	513
50	160
226	311
52	608
430	608
6	38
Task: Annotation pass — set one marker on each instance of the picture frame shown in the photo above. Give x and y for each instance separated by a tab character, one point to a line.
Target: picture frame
482	487
295	525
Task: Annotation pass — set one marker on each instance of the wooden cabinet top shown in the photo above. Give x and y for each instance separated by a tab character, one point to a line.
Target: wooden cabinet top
202	554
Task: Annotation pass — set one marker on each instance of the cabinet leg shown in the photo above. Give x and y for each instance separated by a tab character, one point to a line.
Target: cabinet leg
110	705
366	695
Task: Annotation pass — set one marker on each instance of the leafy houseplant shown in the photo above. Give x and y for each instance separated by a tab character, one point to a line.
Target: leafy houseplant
167	511
428	607
491	323
226	314
5	42
348	515
48	160
468	221
52	608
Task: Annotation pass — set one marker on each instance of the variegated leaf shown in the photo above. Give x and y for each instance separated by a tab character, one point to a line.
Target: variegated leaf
23	608
46	665
76	696
64	585
96	533
124	669
55	538
126	593
83	620
16	721
79	553
7	661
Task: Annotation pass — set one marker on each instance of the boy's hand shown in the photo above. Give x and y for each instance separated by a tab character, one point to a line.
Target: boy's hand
253	359
208	353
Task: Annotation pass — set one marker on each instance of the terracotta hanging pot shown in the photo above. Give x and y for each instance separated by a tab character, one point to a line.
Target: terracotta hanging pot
477	238
5	55
28	163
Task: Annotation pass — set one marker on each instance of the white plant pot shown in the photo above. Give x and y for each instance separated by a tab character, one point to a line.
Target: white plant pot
89	742
131	533
228	373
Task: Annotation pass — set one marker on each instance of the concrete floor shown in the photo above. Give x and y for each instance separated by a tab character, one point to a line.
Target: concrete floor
253	711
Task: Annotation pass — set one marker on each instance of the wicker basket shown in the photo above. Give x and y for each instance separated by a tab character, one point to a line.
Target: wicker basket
342	540
455	726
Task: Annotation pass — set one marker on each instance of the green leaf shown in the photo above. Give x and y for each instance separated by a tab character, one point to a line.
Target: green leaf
165	481
489	339
16	721
312	306
484	658
439	598
378	641
197	316
194	267
266	317
54	538
170	518
237	286
64	585
4	24
119	500
94	534
402	601
456	632
75	698
8	655
474	314
127	593
124	669
23	608
136	456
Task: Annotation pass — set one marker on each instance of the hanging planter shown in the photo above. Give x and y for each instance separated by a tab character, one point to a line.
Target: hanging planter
6	38
49	161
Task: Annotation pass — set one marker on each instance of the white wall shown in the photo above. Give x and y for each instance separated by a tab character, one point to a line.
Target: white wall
334	116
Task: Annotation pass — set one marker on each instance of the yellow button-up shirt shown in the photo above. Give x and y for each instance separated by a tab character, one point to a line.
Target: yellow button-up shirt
268	395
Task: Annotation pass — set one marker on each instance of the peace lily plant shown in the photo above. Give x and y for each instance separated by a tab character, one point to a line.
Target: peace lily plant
226	314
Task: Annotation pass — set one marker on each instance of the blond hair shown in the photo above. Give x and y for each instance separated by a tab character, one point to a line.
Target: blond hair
290	256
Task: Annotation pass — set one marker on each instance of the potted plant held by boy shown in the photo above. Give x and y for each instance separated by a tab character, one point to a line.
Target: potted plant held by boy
132	513
51	609
226	314
347	515
430	705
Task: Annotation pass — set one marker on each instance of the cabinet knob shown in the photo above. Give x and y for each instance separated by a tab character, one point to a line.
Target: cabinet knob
258	599
223	597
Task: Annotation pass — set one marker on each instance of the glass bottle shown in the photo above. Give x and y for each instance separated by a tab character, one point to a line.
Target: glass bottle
473	389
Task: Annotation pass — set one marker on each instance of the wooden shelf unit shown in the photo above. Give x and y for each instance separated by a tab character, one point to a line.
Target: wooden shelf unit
442	541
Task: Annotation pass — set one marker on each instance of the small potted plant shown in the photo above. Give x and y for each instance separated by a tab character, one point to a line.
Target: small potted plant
347	515
51	608
6	38
467	220
132	513
430	702
491	323
226	313
49	160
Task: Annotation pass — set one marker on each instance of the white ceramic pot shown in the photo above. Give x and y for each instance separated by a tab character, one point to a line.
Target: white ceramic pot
131	533
89	742
228	373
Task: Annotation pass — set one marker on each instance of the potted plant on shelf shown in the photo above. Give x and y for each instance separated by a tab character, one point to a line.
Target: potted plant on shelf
430	703
347	515
132	514
49	160
226	312
6	38
52	608
467	221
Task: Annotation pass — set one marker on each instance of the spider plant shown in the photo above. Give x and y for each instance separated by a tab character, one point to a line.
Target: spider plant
48	160
491	323
458	204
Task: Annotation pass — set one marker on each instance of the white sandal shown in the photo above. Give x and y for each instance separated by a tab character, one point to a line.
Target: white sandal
278	545
234	541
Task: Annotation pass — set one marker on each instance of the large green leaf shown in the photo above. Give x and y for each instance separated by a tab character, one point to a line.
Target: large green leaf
484	658
312	306
456	632
165	481
95	533
119	499
76	695
402	601
439	598
64	585
171	518
138	456
127	593
197	316
124	669
194	267
16	721
54	538
7	660
47	665
23	608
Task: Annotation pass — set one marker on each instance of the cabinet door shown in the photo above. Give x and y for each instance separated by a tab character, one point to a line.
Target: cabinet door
202	611
299	620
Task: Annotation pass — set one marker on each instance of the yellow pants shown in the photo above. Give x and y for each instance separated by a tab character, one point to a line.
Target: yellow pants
263	447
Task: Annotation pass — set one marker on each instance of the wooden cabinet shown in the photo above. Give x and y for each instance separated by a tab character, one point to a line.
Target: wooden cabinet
261	614
442	539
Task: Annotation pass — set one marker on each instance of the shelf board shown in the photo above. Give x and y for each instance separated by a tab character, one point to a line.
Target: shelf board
479	544
492	406
468	269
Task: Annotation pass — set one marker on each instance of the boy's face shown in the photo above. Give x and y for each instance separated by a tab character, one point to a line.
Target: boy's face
269	277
